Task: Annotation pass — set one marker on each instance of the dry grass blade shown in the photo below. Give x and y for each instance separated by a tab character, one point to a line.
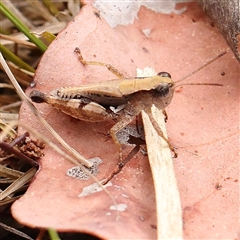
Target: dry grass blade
17	40
10	173
24	77
5	85
54	28
169	213
9	200
9	116
42	10
73	7
36	113
11	105
15	231
26	177
58	150
51	130
14	9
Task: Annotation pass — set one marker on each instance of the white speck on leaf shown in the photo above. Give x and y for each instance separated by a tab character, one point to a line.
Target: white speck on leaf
93	188
120	207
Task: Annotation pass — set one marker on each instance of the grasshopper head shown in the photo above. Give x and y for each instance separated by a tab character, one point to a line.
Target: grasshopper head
164	87
162	92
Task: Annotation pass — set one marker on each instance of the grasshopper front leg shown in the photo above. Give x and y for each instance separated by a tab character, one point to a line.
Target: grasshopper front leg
160	133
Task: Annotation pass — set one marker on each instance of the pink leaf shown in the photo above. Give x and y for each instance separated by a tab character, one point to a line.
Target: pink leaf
203	124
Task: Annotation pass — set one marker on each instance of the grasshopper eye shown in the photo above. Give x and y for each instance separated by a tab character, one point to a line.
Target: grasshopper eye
164	74
163	89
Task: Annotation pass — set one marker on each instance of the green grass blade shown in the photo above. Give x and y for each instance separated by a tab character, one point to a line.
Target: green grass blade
15	59
50	6
53	234
22	28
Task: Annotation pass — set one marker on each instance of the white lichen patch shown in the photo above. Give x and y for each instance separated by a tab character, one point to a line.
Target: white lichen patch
83	173
120	207
93	188
125	134
146	72
124	12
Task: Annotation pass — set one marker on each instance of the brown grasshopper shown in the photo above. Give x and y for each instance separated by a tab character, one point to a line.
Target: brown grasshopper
120	99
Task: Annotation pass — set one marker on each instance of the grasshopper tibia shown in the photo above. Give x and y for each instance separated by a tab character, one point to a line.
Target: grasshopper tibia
165	115
117	127
122	164
108	66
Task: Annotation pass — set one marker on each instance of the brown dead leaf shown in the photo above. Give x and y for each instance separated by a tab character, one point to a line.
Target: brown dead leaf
202	125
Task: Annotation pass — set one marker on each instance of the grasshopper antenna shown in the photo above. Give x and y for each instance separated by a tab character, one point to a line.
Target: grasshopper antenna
200	68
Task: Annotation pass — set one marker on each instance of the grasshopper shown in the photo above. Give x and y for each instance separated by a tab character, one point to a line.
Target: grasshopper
120	100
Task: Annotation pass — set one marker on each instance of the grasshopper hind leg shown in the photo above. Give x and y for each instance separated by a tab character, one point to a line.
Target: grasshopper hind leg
108	66
122	164
165	115
116	128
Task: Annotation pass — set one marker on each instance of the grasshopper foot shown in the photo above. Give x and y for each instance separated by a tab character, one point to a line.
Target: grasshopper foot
121	164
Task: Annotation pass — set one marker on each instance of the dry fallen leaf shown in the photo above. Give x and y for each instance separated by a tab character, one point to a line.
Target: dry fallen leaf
202	125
